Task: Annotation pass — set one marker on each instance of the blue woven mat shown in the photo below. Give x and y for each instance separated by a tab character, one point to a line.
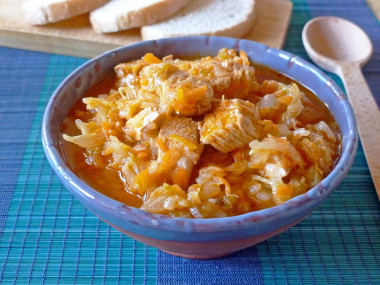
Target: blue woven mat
48	237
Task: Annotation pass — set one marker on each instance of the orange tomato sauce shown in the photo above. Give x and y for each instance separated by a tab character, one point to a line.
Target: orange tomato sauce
109	182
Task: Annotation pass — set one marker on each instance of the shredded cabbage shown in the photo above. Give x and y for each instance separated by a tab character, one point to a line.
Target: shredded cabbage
204	138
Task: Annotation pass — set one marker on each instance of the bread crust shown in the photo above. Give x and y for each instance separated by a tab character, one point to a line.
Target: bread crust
39	13
238	30
159	10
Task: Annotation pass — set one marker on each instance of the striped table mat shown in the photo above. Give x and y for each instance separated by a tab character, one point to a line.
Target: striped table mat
48	237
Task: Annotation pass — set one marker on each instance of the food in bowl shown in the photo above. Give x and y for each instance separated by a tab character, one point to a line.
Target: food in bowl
208	137
193	238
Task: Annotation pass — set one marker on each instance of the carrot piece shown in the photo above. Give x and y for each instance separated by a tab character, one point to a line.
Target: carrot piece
180	177
151	58
284	190
190	145
286	99
161	144
244	57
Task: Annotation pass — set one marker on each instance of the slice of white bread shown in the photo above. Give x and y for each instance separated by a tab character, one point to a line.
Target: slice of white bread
206	17
40	12
120	15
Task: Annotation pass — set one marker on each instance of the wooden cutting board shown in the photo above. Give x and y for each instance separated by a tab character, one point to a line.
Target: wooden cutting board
75	36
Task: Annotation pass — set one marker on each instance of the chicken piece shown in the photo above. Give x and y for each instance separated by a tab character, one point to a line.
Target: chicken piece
180	132
186	95
182	127
179	91
233	80
127	73
143	121
153	75
232	125
229	74
178	152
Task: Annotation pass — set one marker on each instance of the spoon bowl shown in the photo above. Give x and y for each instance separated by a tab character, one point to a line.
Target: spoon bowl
341	47
333	40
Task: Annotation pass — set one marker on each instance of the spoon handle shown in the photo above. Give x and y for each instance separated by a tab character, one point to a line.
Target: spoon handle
367	115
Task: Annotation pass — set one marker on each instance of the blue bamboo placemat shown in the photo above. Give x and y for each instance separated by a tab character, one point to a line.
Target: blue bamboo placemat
48	237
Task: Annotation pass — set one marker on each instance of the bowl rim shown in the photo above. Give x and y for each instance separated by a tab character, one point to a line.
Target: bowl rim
84	192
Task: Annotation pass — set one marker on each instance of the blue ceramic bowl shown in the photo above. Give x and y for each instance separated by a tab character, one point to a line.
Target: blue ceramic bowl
195	238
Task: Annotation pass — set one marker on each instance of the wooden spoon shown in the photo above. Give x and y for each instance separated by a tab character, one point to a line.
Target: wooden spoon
341	47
